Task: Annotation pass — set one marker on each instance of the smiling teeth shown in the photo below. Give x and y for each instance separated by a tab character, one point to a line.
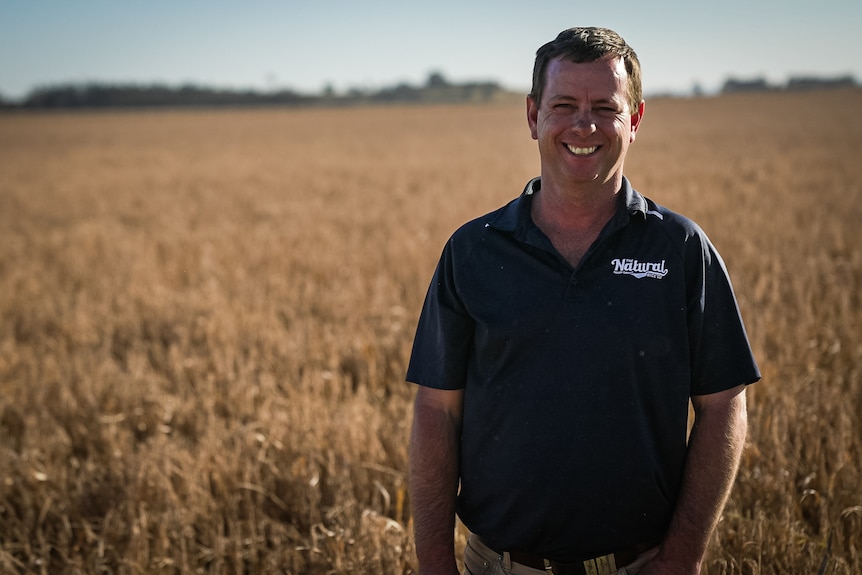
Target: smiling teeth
582	151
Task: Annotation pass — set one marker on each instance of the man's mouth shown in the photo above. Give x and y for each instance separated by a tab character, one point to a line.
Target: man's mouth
582	151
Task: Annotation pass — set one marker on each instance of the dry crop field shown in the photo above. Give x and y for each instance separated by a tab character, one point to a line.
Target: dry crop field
205	318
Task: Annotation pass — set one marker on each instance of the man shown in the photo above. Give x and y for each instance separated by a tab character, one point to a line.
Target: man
560	343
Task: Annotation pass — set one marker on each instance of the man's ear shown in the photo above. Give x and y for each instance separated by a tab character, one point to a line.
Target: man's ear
636	120
533	117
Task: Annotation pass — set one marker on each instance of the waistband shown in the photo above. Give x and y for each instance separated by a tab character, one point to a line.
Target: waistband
602	565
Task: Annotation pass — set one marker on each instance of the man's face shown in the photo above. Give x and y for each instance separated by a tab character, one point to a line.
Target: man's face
584	123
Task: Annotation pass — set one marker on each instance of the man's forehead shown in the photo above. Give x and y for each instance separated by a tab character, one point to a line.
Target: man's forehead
613	62
609	73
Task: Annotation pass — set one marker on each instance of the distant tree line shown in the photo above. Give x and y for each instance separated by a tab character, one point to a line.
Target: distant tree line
118	96
437	89
95	95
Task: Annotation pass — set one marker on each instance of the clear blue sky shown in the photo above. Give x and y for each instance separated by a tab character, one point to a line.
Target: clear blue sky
305	45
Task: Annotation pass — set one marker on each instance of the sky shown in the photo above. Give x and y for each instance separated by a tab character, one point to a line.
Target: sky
305	45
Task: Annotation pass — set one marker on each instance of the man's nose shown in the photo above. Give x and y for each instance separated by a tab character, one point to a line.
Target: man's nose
583	122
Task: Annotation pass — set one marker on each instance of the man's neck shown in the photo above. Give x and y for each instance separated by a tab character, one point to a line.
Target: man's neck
575	208
573	218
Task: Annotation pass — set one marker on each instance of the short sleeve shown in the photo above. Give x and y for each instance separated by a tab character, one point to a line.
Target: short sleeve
721	356
444	333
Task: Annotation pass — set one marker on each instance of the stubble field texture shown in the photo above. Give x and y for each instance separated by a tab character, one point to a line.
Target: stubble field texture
205	319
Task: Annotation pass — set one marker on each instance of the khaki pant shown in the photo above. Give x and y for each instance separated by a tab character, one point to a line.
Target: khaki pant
479	559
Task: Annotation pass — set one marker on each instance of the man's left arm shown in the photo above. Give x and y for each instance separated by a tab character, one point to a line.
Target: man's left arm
714	451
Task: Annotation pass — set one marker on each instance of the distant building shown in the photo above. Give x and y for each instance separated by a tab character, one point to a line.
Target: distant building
799	83
812	83
734	86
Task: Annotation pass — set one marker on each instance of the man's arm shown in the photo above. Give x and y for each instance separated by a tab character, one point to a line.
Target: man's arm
714	451
434	474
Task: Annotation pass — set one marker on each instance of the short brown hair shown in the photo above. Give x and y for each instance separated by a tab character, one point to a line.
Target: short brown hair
581	45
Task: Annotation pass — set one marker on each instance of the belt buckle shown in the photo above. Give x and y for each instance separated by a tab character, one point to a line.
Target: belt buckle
603	565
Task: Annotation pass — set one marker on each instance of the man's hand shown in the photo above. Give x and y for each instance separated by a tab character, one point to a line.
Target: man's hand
658	566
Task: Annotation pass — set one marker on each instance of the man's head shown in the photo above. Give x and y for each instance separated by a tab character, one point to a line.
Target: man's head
581	45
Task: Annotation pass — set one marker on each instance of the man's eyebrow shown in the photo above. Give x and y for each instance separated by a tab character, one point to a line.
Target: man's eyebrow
600	100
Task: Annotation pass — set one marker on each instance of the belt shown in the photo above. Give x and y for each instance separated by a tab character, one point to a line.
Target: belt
602	565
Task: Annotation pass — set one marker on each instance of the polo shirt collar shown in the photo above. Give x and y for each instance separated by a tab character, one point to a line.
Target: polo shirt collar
515	217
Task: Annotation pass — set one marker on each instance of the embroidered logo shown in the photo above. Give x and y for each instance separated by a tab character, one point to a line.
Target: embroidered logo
639	269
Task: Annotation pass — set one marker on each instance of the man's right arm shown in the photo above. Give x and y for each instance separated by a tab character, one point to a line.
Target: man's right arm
434	474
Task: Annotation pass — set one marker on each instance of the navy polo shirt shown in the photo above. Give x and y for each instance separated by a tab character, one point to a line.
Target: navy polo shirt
577	381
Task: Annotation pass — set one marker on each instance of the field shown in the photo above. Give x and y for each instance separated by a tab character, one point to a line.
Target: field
205	318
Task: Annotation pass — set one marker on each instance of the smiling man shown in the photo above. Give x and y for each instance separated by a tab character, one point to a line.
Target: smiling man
561	341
